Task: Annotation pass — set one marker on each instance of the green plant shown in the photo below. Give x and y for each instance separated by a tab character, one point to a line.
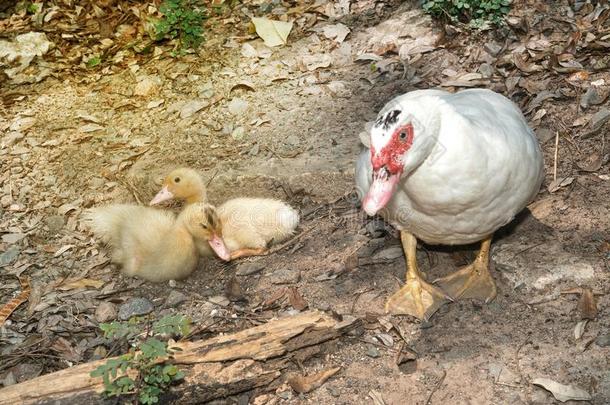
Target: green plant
144	371
475	13
182	20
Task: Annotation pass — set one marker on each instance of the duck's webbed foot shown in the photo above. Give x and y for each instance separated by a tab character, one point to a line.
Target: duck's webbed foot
472	281
417	297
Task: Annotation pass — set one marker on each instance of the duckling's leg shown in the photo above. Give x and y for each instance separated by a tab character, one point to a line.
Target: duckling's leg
417	297
474	280
248	252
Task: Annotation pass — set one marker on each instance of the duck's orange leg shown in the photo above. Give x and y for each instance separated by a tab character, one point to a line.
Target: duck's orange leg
418	297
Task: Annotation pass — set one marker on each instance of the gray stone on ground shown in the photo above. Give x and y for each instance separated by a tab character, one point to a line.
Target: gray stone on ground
135	307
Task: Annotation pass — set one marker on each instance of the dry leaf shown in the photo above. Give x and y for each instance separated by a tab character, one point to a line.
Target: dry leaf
592	163
562	392
296	300
579	330
559	183
338	32
302	384
274	33
72	284
587	305
245	85
376	397
64	348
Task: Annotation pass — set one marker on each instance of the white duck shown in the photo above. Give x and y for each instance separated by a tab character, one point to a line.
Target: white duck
448	169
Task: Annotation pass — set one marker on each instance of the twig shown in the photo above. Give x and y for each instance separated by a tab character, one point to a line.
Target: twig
211	178
556	153
438	385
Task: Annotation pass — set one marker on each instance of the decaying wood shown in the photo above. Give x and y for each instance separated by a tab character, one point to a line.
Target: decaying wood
214	368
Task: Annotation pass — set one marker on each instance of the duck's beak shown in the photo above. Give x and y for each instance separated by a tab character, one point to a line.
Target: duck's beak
163	195
381	191
219	247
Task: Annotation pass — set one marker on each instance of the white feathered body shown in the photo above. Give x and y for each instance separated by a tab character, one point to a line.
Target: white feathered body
484	168
254	223
148	243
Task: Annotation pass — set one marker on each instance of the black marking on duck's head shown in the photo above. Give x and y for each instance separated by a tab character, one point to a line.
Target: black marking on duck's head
390	118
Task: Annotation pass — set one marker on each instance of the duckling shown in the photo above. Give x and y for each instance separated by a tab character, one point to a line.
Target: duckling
249	225
155	245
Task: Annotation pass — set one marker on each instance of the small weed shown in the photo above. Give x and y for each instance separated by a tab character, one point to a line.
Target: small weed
478	14
94	61
182	20
147	358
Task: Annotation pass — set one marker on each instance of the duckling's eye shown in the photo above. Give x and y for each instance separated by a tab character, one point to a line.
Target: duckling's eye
177	180
403	135
204	226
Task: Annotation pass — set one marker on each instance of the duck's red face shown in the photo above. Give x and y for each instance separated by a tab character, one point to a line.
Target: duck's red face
388	148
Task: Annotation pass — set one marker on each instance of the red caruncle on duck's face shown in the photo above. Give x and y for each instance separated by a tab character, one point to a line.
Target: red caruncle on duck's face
390	154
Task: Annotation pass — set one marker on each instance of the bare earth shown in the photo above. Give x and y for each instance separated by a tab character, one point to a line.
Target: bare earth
300	139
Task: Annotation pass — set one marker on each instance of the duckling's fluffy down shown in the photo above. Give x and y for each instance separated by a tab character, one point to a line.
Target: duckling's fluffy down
256	222
148	243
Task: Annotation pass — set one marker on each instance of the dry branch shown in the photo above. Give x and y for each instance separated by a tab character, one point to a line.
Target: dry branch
214	368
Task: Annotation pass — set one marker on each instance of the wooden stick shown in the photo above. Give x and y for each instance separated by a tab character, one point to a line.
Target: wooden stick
214	368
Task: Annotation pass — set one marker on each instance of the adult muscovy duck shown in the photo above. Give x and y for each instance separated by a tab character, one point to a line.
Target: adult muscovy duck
448	169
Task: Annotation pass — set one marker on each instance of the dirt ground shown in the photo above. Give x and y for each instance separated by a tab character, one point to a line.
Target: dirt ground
92	138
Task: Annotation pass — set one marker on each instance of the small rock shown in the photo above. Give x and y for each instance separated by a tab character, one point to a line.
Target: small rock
246	269
254	150
238	133
12	138
493	48
105	311
192	107
389	254
220	300
99	353
334	392
11	238
486	70
292	140
135	307
9	379
237	106
10	255
598	120
55	223
147	86
372	352
26	371
285	276
603	340
174	299
376	228
593	96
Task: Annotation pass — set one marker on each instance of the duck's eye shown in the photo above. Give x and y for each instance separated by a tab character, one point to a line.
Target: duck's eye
204	226
402	135
177	180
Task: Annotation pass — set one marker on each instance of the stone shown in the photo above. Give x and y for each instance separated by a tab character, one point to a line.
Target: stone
135	307
9	255
246	269
372	352
191	107
147	85
105	312
237	106
220	300
285	276
55	223
603	340
174	299
389	254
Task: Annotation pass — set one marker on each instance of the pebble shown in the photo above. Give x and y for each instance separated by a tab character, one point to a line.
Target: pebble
55	223
389	254
237	106
285	276
10	255
174	299
192	107
135	307
372	352
246	269
376	228
603	340
99	353
105	311
219	300
147	86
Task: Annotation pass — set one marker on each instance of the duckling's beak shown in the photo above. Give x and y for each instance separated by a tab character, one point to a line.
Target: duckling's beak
219	247
163	195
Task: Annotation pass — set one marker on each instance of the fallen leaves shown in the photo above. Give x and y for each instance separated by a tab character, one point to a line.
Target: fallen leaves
274	33
304	384
562	392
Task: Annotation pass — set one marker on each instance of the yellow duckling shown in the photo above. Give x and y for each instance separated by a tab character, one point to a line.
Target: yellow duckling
248	225
154	244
